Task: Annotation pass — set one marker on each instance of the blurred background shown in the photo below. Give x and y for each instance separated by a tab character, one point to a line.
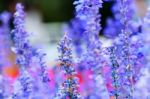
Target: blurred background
46	19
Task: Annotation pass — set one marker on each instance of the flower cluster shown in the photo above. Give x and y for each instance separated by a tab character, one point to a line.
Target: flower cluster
69	86
118	71
24	57
21	43
126	52
88	11
114	72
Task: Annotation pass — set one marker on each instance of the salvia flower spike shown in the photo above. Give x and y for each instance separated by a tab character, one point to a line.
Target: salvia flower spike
88	11
126	54
114	72
23	54
24	51
68	89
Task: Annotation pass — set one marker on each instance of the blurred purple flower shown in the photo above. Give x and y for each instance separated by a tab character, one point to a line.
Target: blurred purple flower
114	25
21	43
76	32
88	12
126	62
25	54
4	38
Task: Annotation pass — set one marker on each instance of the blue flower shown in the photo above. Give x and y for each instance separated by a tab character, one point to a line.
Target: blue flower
4	39
21	42
114	72
88	11
69	87
76	33
23	53
125	44
39	55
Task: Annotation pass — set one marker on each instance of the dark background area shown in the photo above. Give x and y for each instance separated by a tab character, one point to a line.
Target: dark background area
54	10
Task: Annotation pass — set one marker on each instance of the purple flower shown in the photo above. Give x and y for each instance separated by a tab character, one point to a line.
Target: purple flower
21	43
142	89
23	86
76	32
65	51
25	55
88	11
114	25
114	72
130	62
43	67
5	51
125	44
4	39
69	87
25	52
